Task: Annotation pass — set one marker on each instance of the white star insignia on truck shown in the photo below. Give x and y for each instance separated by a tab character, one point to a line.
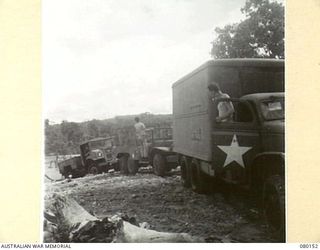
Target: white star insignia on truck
234	152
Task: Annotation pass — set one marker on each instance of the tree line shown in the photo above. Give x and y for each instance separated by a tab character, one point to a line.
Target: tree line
65	138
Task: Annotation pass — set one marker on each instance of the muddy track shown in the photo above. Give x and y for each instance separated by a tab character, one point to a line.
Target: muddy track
162	202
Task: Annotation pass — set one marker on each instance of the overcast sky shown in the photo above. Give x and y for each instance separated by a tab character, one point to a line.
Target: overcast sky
103	58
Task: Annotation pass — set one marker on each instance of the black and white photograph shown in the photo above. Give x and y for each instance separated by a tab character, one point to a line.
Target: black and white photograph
164	121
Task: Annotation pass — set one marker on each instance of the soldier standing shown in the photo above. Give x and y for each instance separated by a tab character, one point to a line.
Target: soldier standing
141	136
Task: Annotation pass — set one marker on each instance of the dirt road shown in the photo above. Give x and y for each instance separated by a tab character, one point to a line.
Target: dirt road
167	206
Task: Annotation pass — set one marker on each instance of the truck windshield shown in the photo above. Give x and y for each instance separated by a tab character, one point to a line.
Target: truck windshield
101	144
273	109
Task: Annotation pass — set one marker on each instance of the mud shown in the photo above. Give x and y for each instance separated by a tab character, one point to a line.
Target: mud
223	215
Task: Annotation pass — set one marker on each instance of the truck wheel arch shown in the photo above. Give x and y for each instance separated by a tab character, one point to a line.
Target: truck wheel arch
92	167
155	151
119	155
264	165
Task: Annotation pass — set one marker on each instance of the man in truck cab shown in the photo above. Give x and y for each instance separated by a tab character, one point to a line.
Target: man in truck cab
225	108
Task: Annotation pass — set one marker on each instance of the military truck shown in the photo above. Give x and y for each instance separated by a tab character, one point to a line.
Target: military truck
157	151
97	156
248	150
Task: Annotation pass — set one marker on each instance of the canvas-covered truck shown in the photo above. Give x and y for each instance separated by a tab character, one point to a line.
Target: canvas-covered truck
247	150
96	156
156	151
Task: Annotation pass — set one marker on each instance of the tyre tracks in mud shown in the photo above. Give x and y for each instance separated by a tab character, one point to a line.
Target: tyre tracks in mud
167	206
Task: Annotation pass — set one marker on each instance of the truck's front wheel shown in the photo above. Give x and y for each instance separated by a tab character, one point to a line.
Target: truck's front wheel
159	164
185	172
67	175
133	166
274	205
93	168
123	164
116	166
198	181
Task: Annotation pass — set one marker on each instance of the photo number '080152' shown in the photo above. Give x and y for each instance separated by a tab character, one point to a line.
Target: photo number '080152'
308	245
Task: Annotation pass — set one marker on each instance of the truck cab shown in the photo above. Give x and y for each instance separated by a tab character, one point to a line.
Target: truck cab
248	151
256	131
98	155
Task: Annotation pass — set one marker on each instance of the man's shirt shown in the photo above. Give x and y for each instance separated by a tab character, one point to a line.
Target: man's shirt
140	129
225	107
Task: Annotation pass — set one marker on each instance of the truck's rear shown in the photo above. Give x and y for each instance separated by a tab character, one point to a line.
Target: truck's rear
72	167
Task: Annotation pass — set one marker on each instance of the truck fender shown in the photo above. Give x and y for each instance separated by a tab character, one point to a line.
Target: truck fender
266	164
119	155
162	150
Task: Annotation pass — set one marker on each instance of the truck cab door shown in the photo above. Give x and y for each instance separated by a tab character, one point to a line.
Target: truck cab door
235	142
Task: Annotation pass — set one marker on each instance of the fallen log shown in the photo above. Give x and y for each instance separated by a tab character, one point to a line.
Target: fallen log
67	221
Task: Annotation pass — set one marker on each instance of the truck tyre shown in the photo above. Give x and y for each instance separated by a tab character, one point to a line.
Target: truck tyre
123	164
93	168
185	172
198	181
67	175
133	166
274	206
159	164
116	166
67	172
